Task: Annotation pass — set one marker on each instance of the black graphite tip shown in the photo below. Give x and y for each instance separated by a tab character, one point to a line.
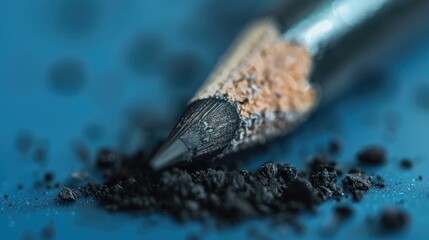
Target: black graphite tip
205	130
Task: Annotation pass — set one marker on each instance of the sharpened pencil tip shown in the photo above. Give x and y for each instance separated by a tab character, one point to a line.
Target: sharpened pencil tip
169	154
206	129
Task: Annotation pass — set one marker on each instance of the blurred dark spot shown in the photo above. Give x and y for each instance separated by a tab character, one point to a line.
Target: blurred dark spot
343	212
36	173
394	219
374	82
82	151
49	176
372	155
67	77
393	121
183	69
48	232
38	185
107	89
221	20
194	236
40	152
144	54
73	18
406	164
93	131
28	234
24	142
335	146
422	97
107	158
20	186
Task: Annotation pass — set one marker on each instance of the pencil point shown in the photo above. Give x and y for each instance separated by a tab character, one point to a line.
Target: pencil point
169	154
206	129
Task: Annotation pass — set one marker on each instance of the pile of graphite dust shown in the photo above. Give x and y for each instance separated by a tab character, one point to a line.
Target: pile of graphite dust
227	194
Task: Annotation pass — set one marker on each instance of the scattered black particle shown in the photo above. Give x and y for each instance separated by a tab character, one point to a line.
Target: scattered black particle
287	172
323	176
394	219
300	195
420	178
24	142
269	170
372	156
20	186
49	176
422	97
335	146
379	182
68	194
406	164
357	184
67	76
357	181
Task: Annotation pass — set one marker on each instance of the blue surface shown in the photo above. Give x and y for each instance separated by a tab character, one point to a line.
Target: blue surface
116	95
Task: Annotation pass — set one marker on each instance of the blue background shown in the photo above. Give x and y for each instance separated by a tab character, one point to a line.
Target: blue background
136	63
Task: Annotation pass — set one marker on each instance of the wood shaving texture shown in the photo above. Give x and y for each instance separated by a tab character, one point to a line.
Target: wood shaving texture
267	78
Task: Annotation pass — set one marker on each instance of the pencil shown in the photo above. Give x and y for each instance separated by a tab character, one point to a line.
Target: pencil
276	73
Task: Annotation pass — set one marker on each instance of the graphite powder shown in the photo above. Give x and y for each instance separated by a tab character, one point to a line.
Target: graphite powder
229	194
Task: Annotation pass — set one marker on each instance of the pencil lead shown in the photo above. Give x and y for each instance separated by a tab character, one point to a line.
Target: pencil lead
171	153
205	130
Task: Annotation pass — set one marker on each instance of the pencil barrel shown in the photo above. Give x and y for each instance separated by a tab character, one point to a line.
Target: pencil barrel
346	37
